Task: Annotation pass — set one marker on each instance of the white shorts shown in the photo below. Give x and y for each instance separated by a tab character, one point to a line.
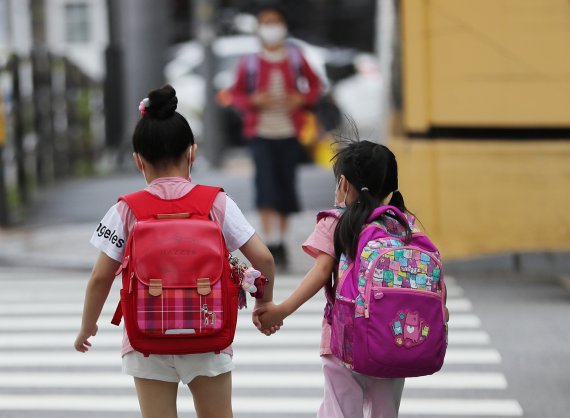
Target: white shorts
176	368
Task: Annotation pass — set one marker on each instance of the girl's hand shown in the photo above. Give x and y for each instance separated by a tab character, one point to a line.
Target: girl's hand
270	316
82	343
295	101
256	320
262	100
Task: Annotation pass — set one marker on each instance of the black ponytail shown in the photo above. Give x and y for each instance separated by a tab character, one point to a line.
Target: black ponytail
372	169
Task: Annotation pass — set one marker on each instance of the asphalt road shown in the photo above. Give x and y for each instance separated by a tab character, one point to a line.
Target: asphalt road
497	364
508	353
88	199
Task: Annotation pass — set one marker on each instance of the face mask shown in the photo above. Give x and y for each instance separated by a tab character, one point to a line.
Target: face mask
142	168
342	204
272	34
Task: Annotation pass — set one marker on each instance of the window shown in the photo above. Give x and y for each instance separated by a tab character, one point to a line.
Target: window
77	28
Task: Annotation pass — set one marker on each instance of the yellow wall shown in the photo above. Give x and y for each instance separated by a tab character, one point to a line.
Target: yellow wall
476	198
486	63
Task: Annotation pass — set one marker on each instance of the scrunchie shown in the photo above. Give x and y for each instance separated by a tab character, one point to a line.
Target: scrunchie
143	106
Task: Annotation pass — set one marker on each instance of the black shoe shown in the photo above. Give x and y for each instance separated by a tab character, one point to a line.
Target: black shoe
283	255
279	255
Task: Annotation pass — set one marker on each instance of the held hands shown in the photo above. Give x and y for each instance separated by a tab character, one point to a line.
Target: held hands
82	343
269	317
267	330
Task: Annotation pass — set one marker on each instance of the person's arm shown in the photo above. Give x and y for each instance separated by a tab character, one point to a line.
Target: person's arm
261	259
313	281
96	294
241	97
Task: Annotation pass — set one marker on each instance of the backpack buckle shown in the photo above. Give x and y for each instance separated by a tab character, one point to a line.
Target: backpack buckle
155	287
203	286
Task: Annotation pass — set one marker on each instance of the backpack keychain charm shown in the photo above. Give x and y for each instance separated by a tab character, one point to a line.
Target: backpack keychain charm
249	279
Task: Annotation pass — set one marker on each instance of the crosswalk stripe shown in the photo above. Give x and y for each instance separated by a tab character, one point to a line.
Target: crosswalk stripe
80	280
33	321
294	380
299	321
52	279
11	359
244	338
462	407
256	405
459	305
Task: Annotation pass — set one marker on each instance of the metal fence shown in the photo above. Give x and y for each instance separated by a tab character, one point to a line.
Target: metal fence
51	127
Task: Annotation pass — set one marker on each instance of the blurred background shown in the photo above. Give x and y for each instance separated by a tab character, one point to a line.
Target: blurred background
472	96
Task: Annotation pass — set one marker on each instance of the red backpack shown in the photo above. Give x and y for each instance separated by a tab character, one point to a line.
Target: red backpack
178	295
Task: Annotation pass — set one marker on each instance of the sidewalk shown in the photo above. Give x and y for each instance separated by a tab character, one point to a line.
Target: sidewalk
67	246
63	218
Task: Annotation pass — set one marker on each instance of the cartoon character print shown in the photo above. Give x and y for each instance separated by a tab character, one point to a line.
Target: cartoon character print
403	268
397	268
409	329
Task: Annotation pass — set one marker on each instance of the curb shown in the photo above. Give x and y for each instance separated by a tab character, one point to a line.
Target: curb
38	262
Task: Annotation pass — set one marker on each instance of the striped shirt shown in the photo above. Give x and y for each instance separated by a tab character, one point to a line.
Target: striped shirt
276	122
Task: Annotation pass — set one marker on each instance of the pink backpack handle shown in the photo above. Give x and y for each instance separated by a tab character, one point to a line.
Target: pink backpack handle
381	210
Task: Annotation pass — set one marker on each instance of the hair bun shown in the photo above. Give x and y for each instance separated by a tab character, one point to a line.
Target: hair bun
163	102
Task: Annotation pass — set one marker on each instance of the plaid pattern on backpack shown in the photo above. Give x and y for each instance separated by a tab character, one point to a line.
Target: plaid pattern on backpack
387	317
179	295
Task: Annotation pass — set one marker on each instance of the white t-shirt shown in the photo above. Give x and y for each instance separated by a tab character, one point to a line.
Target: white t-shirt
112	233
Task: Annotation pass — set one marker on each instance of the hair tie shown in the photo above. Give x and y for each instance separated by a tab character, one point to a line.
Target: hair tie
364	189
143	105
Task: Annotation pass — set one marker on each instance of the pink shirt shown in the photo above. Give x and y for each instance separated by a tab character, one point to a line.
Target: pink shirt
321	240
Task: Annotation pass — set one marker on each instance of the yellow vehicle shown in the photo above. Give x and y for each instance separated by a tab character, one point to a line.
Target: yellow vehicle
481	65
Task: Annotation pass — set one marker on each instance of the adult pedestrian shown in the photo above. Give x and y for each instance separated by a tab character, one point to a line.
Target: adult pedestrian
271	90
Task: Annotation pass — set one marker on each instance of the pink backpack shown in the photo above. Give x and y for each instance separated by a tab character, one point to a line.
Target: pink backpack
388	314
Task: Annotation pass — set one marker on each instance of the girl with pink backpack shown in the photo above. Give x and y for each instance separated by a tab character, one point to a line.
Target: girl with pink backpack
385	308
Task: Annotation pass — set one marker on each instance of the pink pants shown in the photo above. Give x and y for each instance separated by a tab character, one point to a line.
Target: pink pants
352	395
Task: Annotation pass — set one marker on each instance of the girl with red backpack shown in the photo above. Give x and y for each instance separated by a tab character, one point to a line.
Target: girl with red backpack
164	152
367	179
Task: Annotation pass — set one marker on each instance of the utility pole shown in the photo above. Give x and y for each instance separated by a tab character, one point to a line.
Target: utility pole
205	13
385	38
113	92
4	209
41	75
141	42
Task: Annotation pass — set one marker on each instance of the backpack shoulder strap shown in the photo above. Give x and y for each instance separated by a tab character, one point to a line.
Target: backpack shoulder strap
251	71
198	201
142	203
201	199
295	58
